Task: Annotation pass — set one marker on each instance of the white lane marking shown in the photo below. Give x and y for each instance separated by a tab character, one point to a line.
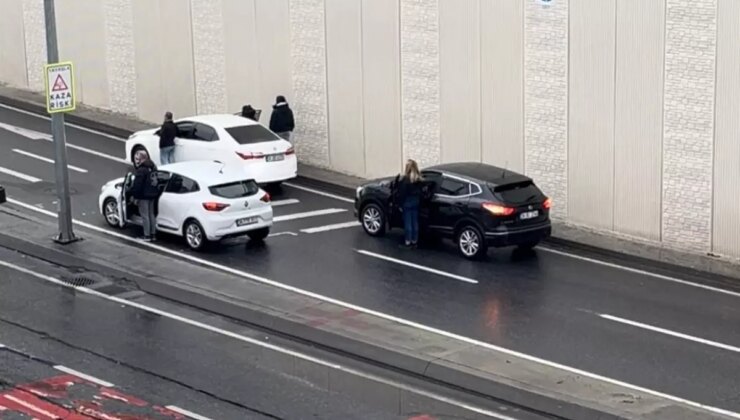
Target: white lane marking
2	346
47	160
367	311
99	154
280	203
307	214
186	413
30	406
16	174
642	272
75	126
671	333
318	192
331	227
417	266
272	235
82	375
248	340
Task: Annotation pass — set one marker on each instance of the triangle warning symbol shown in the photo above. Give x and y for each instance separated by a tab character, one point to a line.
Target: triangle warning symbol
59	84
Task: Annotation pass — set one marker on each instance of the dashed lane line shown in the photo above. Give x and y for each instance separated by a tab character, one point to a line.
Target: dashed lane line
296	216
75	126
84	376
318	192
417	266
19	175
281	203
47	160
186	413
328	228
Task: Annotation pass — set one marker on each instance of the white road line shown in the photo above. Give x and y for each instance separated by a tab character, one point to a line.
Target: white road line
378	314
307	214
671	333
417	266
280	203
47	160
78	127
186	413
2	346
331	227
30	406
82	375
318	192
99	154
16	174
251	341
272	235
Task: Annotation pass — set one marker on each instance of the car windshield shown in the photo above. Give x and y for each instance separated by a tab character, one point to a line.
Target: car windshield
519	192
239	189
250	134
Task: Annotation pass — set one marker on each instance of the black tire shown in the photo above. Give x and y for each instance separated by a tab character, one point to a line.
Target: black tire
194	235
137	148
259	235
470	242
528	246
110	201
373	220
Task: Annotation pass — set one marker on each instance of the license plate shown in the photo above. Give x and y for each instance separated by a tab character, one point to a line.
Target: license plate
275	158
529	215
246	221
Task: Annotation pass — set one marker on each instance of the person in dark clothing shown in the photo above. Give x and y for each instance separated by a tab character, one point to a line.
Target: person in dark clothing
167	135
281	120
249	112
409	196
145	192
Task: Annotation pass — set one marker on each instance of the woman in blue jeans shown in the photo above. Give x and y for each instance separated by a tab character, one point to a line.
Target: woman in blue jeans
409	195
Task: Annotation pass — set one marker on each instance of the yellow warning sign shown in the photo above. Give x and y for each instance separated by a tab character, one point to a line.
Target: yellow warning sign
60	92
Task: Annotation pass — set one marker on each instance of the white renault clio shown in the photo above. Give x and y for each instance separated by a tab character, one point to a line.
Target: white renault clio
201	201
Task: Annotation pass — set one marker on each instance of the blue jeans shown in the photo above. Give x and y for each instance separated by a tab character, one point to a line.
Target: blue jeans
167	155
411	222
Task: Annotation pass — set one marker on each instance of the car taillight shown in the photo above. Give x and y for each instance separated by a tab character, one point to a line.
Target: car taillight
250	156
266	198
498	210
213	206
290	151
547	204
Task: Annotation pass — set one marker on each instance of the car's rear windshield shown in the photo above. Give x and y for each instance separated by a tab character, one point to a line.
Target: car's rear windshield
238	189
518	192
250	134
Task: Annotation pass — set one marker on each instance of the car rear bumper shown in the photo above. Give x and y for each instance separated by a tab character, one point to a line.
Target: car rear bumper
268	172
519	236
225	226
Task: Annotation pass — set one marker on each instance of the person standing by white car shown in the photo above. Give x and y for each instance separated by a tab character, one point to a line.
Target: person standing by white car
145	192
282	122
167	135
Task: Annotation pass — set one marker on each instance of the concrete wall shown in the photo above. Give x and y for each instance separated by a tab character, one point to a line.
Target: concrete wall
624	111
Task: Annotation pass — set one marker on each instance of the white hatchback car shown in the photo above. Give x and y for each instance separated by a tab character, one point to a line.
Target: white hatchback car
231	139
201	201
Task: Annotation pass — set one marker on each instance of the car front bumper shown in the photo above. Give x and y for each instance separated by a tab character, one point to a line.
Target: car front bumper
519	236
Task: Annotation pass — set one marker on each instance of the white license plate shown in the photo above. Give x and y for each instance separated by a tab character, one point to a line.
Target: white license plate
529	215
247	221
275	158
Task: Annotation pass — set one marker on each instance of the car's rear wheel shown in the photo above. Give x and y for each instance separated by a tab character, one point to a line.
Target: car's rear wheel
110	212
528	246
471	243
373	220
195	236
259	235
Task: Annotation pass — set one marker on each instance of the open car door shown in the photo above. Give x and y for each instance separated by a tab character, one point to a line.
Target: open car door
123	196
395	218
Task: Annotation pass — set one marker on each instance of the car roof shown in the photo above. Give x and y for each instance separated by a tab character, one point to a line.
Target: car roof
220	120
481	172
206	172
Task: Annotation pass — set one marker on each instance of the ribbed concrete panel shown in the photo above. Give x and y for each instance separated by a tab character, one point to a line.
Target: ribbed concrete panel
120	55
12	44
240	48
460	80
382	87
209	56
35	39
273	36
639	118
726	217
345	87
591	113
87	49
502	82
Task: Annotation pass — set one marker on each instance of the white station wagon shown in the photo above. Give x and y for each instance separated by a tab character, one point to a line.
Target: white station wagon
231	139
202	201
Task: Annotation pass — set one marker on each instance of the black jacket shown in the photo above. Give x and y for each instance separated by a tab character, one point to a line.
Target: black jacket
145	185
167	134
408	190
281	119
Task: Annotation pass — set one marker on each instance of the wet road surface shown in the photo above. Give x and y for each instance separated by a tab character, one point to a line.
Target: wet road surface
673	332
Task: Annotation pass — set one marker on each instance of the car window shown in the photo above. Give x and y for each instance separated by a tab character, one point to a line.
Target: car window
185	129
453	187
250	134
181	185
204	133
238	189
519	192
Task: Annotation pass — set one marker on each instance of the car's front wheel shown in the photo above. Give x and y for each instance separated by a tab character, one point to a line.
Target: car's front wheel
195	236
259	235
110	212
373	220
471	243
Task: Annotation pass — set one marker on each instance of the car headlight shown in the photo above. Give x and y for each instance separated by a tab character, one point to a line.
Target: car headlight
358	191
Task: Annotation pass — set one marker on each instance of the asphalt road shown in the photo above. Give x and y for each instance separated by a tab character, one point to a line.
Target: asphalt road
671	332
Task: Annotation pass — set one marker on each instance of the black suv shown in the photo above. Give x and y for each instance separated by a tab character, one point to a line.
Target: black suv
477	205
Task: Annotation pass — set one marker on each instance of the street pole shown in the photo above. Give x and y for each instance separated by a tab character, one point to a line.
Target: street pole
66	234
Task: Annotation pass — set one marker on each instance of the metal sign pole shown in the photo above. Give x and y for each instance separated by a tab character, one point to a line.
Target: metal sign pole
66	234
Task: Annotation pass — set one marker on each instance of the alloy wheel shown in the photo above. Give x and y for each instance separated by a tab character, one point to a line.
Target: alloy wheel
194	235
111	213
469	242
372	220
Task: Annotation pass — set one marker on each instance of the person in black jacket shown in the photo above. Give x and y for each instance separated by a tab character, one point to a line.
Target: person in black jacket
281	120
145	192
409	197
167	135
249	112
